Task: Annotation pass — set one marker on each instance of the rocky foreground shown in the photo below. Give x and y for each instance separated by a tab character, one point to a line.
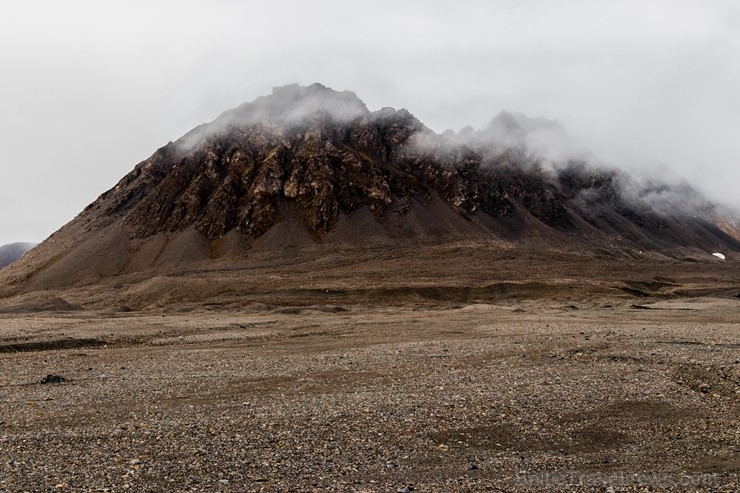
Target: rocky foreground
517	397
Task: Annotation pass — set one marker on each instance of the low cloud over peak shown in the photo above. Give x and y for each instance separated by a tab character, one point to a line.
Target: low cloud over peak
287	106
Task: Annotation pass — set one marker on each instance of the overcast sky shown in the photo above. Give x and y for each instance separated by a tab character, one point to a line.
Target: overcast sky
90	88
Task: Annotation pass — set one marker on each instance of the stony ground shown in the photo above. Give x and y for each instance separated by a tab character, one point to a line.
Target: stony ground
518	397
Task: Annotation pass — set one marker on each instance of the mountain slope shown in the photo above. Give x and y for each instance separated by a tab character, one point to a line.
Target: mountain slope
309	165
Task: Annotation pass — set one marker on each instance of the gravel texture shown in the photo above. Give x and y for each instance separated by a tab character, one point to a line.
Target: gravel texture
526	397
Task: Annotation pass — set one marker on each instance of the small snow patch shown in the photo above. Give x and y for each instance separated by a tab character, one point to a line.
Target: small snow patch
719	255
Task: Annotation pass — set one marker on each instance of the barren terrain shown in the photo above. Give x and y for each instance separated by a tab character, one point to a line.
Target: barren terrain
518	374
304	295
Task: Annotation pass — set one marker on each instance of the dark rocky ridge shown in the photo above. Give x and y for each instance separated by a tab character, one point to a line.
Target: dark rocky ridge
327	155
311	164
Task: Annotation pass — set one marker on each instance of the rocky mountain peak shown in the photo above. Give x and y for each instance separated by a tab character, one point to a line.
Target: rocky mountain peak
511	128
294	104
310	164
287	109
304	153
506	123
311	155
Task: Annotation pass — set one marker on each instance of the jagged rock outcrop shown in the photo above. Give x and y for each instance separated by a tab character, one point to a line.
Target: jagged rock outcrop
239	173
317	164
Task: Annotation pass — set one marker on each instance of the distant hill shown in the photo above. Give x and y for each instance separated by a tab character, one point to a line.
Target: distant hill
12	252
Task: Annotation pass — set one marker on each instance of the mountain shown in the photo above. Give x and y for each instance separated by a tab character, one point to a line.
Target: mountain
310	166
12	252
518	129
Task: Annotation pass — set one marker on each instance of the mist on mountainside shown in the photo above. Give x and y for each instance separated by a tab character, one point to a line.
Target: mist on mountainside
311	130
287	106
545	146
310	167
325	151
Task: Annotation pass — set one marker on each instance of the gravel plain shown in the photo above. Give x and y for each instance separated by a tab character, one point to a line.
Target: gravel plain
523	397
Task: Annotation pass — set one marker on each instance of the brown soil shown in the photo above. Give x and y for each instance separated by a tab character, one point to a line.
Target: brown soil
397	273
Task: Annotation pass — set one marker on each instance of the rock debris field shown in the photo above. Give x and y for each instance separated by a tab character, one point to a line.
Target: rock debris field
515	397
